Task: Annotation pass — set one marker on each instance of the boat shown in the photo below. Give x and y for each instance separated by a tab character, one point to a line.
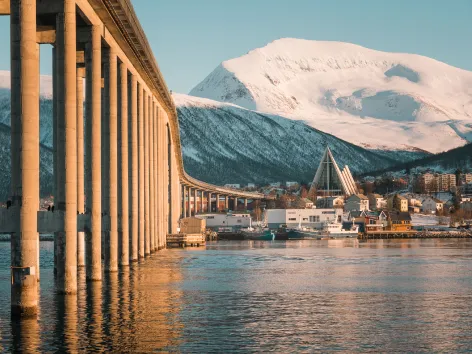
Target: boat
257	234
303	233
335	230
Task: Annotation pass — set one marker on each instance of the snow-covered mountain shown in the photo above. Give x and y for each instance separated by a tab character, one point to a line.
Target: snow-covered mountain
370	98
224	143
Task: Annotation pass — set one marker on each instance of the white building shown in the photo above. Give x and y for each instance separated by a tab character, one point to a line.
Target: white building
376	201
291	184
356	202
251	185
230	220
275	184
432	205
315	218
233	185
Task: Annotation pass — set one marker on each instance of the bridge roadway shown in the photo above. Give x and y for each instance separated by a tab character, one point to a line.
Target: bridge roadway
120	180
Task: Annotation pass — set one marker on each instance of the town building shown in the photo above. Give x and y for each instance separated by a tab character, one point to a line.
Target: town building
251	185
397	202
291	184
398	221
275	184
330	202
376	201
292	218
233	185
447	182
357	202
330	180
432	205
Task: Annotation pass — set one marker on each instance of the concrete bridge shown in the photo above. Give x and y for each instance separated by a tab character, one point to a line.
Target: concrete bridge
120	181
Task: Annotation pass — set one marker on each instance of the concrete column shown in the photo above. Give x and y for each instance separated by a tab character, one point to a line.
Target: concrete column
195	202
201	202
66	203
209	202
217	208
93	155
184	202
235	207
105	158
123	166
24	156
189	209
226	203
80	164
245	204
54	142
151	176
134	229
146	176
141	171
154	176
111	263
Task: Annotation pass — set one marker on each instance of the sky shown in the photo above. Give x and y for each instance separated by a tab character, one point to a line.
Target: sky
190	38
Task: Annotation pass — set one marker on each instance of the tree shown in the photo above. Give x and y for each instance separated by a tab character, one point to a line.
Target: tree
303	192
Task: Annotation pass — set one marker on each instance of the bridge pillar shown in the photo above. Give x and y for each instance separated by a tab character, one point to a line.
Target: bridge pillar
141	171
189	209
134	225
235	204
226	203
245	204
24	156
123	169
66	188
195	202
209	202
184	201
151	177
201	202
217	208
80	163
93	155
110	161
147	238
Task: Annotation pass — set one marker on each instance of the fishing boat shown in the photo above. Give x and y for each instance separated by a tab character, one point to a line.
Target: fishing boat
258	233
302	232
336	230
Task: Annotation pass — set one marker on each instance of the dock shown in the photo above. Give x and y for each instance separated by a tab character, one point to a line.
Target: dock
413	234
185	240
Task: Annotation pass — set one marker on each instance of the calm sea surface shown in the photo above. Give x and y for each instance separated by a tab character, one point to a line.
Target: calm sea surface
378	296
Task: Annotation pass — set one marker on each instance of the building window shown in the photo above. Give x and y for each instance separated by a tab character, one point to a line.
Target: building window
292	219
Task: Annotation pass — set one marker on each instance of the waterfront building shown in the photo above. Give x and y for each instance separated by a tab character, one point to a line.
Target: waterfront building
357	202
234	221
398	221
233	185
314	218
329	180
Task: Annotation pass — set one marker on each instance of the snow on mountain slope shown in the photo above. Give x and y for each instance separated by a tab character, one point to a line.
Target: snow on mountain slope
367	97
224	143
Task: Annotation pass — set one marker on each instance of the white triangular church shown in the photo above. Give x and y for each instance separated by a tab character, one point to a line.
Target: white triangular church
330	180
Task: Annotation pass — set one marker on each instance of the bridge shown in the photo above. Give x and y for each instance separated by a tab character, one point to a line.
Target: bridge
119	179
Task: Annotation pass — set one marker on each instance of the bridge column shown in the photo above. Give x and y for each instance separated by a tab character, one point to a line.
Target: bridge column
235	204
110	161
80	164
245	204
217	208
24	156
226	203
209	202
134	225
66	201
189	200
201	202
146	176
123	201
141	171
151	176
184	201
195	202
93	155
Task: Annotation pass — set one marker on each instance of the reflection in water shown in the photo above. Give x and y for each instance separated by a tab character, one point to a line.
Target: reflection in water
377	295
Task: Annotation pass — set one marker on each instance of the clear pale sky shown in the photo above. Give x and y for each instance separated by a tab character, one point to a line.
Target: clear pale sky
190	38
